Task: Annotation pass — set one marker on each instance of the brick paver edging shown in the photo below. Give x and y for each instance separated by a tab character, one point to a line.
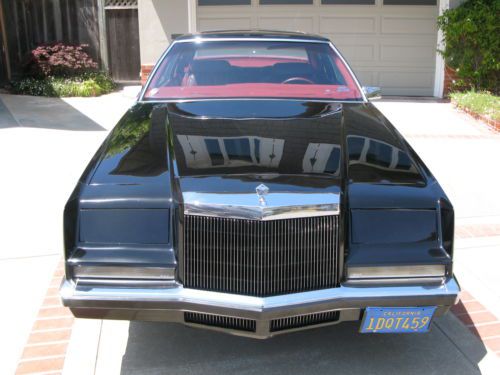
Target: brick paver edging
492	123
479	320
45	350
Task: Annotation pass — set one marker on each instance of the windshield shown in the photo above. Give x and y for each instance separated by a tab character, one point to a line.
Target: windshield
252	69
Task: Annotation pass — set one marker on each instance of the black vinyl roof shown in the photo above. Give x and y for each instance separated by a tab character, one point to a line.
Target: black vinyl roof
253	34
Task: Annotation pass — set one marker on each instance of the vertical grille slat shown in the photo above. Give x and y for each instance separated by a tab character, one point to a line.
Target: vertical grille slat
299	321
220	321
260	258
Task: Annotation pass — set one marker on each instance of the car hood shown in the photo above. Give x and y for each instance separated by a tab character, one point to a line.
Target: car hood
231	146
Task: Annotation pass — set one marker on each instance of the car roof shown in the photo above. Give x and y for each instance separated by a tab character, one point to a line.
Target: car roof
250	34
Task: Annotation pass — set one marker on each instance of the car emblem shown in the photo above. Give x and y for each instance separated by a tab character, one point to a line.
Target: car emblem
261	191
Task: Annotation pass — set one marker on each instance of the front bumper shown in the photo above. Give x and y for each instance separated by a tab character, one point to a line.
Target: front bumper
169	303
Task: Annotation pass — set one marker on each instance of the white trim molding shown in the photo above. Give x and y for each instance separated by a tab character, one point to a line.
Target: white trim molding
192	16
440	64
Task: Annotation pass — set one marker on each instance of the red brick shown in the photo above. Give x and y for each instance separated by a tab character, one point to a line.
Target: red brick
40	365
487	330
54	312
478	318
53	323
49	336
52	301
466	296
467	307
145	71
47	350
493	343
52	291
56	282
59	272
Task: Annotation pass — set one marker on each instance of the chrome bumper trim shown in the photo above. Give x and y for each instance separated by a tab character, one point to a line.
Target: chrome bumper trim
182	299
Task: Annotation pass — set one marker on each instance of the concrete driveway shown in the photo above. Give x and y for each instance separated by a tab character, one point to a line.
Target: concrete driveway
44	146
153	348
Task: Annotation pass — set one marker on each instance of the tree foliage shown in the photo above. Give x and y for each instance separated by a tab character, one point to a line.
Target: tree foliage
472	43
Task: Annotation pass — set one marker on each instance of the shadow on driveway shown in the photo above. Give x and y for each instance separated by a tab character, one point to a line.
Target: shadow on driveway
43	113
156	348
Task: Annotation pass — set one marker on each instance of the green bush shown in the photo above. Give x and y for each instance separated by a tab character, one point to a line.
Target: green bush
87	84
472	44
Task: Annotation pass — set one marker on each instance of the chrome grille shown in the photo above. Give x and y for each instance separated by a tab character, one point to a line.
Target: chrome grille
220	321
260	258
282	324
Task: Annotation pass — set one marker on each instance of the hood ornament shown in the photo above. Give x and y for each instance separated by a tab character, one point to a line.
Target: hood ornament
261	191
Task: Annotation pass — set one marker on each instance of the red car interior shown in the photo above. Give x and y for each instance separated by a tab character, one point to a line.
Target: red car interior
321	74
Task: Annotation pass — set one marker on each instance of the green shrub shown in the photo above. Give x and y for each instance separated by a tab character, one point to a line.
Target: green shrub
88	84
472	44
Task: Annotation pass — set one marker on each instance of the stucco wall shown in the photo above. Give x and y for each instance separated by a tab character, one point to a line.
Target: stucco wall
158	20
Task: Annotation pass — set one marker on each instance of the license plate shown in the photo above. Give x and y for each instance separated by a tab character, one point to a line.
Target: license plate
397	319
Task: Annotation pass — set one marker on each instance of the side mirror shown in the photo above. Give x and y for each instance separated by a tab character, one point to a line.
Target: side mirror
372	92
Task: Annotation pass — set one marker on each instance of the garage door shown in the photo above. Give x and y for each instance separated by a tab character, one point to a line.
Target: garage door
389	43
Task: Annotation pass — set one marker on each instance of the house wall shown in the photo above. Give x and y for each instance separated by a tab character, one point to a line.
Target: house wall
158	20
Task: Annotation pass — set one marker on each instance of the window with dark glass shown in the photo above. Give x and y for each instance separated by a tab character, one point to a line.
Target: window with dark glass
348	2
288	2
238	149
223	2
333	163
214	151
410	2
379	154
257	149
355	146
404	161
252	68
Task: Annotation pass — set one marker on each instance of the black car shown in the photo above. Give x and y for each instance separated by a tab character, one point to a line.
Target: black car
254	189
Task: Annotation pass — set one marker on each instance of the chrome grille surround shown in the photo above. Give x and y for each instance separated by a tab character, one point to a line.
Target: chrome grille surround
250	206
260	258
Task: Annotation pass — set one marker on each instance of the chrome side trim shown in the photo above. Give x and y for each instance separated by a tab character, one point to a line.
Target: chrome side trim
394	272
247	205
397	281
252	99
123	272
201	38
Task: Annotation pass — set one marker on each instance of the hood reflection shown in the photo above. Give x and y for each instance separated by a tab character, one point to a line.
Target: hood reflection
280	146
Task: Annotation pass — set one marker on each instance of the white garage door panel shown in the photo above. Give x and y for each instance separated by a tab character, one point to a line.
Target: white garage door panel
206	24
305	24
406	25
357	53
368	78
403	53
347	25
393	47
415	83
